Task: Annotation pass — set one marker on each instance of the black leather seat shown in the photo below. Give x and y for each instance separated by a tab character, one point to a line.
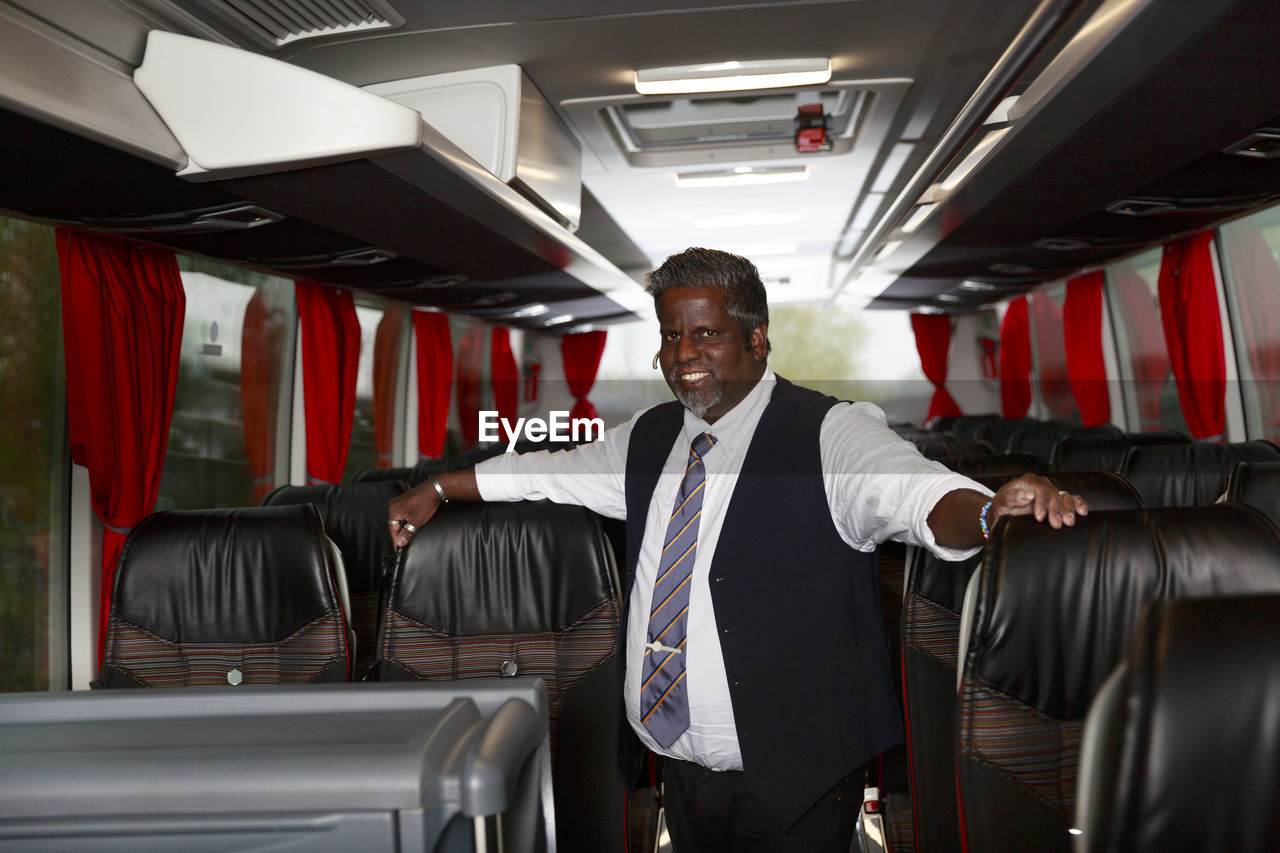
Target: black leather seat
946	450
1182	745
1189	474
997	432
1258	485
355	518
1037	438
1050	614
1103	448
227	596
965	427
1089	449
930	646
529	589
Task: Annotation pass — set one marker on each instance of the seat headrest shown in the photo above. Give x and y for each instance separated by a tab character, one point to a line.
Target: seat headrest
1189	474
1195	715
994	471
245	575
1090	449
355	518
1056	608
504	567
1102	490
1258	485
951	449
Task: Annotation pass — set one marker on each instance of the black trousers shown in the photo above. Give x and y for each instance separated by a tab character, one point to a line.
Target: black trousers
713	812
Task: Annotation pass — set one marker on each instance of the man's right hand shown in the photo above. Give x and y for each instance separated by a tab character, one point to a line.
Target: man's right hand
407	513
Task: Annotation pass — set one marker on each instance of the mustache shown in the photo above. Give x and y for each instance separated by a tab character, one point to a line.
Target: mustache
673	375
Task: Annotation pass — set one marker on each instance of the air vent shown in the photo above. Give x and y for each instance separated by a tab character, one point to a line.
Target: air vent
237	216
1143	206
1262	144
274	23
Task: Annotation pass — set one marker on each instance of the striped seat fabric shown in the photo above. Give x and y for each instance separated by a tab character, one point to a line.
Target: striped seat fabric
227	597
521	589
1053	612
354	516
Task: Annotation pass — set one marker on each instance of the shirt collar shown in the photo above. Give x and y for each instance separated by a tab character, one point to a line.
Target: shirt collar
734	429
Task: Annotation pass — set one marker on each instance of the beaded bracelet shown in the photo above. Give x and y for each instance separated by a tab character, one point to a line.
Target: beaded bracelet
982	520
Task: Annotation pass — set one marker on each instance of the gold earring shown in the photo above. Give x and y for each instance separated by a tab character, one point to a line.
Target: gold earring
655	359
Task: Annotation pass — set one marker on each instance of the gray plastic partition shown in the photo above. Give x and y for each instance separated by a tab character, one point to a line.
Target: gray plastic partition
444	768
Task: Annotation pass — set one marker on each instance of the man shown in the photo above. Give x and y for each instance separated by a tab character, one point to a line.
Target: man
754	654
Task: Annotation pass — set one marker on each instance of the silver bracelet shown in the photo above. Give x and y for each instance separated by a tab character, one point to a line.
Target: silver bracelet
439	491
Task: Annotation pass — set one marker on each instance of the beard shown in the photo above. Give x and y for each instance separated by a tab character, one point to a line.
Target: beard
696	400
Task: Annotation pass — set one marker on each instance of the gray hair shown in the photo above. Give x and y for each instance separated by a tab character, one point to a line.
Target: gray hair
736	276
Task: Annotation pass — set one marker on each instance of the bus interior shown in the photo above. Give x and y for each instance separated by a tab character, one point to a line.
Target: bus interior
266	263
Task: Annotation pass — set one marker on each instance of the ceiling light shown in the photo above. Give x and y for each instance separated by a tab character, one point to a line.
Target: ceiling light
743	176
535	310
732	76
749	219
756	250
558	319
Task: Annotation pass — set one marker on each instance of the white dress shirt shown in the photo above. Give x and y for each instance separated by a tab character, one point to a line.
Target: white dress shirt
878	487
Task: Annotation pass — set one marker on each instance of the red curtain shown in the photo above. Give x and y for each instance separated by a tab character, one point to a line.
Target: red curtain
330	359
581	354
1148	358
506	378
1015	360
435	369
386	362
1193	333
1055	387
470	367
123	308
933	342
1086	368
1255	283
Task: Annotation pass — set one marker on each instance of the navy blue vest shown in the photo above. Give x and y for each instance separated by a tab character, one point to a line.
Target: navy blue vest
797	609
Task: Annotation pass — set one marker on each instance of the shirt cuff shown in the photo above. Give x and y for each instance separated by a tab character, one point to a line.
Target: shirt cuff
934	493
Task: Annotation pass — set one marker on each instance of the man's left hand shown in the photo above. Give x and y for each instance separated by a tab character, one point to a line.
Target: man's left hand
1034	495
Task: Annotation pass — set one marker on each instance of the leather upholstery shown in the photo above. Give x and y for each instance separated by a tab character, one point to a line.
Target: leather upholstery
1189	755
965	427
198	593
1189	474
931	639
355	518
953	448
998	432
1038	438
1055	612
1089	449
1258	485
525	589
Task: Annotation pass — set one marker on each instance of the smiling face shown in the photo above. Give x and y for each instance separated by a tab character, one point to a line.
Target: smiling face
705	359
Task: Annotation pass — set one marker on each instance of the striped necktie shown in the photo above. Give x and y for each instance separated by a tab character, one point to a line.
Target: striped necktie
664	706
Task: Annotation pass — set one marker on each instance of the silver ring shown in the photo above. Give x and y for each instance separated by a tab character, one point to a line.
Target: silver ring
409	527
1063	492
399	522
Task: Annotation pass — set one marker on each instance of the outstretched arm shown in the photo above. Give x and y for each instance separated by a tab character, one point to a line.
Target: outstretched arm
407	512
954	518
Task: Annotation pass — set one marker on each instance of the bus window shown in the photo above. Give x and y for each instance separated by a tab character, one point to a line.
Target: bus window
363	451
1151	395
33	462
1057	400
1251	274
232	397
